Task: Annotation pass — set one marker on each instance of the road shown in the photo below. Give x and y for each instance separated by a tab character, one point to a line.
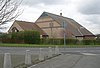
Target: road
70	58
21	50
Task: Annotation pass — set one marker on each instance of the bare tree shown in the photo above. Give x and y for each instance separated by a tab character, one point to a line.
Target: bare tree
8	10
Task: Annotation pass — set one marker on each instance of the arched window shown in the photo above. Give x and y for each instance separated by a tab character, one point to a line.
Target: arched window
45	36
14	29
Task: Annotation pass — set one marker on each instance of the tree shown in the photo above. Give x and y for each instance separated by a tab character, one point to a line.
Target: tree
8	10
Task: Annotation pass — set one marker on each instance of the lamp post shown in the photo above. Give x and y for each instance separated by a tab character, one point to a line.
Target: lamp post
64	33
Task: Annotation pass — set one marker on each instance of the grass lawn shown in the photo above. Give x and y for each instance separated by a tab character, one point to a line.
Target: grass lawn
37	45
28	45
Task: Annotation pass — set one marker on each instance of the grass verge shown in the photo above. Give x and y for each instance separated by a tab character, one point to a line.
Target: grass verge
37	45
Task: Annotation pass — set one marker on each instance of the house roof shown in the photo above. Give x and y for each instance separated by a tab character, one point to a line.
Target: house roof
70	25
29	26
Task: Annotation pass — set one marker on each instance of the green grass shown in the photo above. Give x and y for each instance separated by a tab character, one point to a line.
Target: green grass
26	45
37	45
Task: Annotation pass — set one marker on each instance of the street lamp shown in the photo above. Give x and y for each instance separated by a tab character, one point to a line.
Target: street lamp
64	26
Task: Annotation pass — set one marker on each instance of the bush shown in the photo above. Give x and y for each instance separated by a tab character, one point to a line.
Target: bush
29	37
58	41
88	42
97	41
72	41
33	37
5	38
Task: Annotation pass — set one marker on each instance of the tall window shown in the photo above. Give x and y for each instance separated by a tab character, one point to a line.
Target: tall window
51	25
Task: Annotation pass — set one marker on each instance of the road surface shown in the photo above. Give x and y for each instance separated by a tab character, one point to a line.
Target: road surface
21	50
70	58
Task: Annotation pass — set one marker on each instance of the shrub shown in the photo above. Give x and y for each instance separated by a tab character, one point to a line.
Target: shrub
58	41
97	41
30	37
88	42
72	41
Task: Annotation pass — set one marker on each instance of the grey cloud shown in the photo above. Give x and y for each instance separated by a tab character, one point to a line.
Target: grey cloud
95	22
90	7
46	2
95	19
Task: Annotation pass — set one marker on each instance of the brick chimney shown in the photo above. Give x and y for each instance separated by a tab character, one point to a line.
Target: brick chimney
60	14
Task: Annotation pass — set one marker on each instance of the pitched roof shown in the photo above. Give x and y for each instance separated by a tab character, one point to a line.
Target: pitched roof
71	25
29	26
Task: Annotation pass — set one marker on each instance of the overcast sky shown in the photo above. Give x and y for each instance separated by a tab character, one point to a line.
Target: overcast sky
85	12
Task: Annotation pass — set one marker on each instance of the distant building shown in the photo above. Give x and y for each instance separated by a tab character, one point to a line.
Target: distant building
23	25
56	25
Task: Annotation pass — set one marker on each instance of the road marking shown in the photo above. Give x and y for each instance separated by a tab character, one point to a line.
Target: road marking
89	54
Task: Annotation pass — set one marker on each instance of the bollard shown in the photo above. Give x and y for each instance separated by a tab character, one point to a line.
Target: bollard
7	60
28	57
41	55
57	50
50	52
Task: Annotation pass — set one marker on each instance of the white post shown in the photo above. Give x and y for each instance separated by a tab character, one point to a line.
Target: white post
50	52
7	60
28	57
57	50
41	55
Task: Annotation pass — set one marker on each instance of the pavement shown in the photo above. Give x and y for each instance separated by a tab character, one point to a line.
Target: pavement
84	60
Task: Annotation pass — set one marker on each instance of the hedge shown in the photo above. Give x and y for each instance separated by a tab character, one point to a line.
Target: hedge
91	42
33	37
69	41
88	42
58	41
29	37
